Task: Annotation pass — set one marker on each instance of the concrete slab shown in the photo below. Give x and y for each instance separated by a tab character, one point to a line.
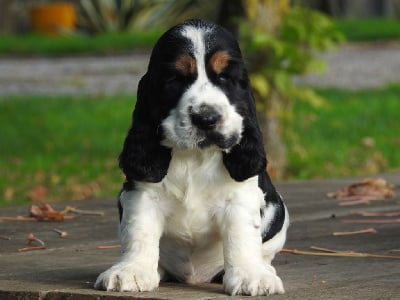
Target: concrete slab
69	266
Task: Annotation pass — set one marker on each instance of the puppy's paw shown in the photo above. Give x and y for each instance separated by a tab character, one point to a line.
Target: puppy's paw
127	278
253	281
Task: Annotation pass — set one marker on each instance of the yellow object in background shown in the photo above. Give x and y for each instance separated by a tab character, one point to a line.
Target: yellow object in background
53	18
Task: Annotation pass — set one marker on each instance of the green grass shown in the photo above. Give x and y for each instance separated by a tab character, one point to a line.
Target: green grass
36	44
70	145
369	29
356	134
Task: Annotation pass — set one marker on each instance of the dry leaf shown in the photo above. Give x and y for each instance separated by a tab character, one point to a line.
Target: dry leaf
45	212
33	239
84	191
38	193
9	193
39	176
364	190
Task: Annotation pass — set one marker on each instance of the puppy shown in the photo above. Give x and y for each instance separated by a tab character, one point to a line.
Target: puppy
197	203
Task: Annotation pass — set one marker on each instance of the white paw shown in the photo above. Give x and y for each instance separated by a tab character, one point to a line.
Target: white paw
253	281
123	278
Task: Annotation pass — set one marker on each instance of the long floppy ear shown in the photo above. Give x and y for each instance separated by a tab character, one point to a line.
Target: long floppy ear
143	158
247	158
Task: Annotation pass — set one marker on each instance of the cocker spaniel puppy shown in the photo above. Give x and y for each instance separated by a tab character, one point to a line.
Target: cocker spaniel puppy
197	203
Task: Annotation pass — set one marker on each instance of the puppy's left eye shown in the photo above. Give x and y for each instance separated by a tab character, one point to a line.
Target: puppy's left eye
223	77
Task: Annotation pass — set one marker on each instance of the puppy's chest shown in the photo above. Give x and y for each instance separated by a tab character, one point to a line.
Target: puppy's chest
195	174
195	189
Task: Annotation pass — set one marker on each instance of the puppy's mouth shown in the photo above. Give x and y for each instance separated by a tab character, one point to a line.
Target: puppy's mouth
221	141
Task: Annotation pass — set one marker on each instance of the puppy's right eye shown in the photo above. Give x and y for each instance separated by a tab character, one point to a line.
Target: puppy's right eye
171	79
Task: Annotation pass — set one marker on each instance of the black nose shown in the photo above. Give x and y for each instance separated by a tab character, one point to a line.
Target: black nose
205	118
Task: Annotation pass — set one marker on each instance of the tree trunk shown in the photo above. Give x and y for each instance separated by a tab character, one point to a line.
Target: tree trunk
271	127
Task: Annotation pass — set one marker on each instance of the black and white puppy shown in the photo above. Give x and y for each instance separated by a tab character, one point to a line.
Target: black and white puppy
197	202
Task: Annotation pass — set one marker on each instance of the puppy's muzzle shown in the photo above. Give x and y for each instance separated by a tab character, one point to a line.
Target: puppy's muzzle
205	118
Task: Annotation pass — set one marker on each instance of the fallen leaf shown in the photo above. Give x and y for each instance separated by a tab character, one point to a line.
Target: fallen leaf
38	193
84	191
368	142
39	176
45	212
9	193
61	233
365	190
33	239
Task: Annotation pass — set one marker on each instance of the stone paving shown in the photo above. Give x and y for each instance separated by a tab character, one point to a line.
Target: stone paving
69	266
358	66
350	66
80	75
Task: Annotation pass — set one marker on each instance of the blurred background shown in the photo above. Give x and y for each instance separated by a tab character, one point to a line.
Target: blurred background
325	76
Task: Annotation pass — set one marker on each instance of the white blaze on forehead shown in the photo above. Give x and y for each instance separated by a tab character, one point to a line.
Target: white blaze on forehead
196	36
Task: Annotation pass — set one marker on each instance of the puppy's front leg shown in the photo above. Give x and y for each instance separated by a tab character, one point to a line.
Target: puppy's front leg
140	231
246	272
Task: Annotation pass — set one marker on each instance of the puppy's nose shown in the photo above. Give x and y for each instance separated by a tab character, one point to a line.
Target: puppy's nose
205	118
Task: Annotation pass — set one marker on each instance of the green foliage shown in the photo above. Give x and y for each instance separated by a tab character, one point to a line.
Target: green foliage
113	16
273	58
369	28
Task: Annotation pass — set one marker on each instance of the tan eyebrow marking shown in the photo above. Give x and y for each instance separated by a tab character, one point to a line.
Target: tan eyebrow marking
219	61
186	64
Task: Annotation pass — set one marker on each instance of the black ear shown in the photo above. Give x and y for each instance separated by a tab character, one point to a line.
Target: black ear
247	158
143	158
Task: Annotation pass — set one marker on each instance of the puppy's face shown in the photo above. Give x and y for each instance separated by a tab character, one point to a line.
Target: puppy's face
195	94
203	86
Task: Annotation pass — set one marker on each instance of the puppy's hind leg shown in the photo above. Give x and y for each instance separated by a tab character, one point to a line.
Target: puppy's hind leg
273	239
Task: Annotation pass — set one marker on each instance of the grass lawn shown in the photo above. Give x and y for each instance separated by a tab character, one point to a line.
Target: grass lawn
105	43
369	29
356	134
61	147
58	148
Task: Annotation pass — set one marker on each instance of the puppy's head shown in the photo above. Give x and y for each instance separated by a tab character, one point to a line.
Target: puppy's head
195	94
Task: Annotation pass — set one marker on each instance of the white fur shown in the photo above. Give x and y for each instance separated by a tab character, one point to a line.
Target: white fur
209	222
197	221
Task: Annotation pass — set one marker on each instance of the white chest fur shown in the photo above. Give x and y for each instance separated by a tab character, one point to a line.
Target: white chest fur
196	188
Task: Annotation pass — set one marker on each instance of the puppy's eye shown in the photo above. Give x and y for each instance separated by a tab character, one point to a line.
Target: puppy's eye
171	79
223	77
